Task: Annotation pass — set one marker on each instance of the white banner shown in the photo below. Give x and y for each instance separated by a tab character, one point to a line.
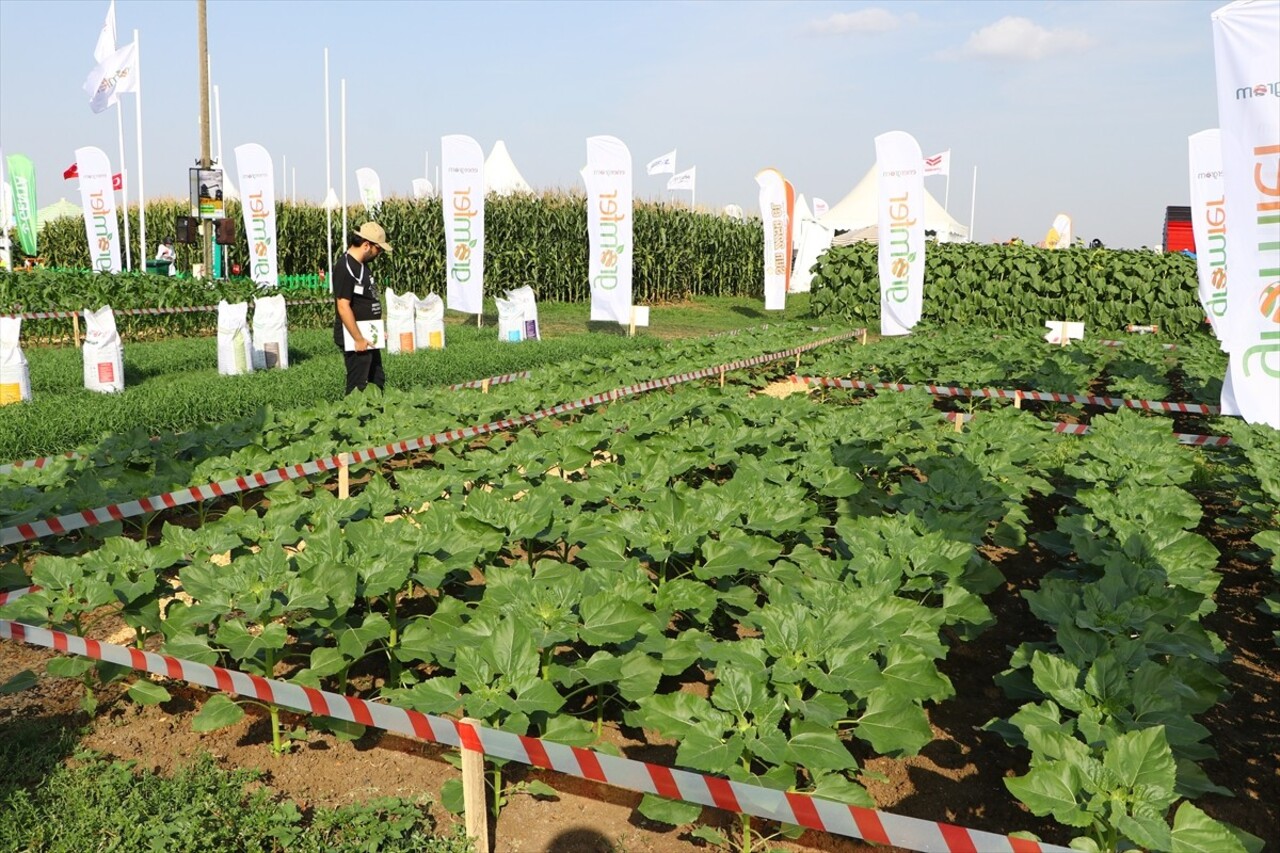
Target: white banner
901	210
815	238
98	199
773	215
664	165
1209	223
1246	47
113	76
820	208
258	198
370	188
609	228
1059	236
684	181
462	202
938	164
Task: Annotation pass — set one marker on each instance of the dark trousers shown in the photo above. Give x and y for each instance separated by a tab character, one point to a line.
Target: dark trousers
363	368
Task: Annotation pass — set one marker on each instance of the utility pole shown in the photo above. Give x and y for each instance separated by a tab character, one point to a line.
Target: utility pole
202	35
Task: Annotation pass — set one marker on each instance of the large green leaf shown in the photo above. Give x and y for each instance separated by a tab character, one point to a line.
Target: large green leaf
893	724
1142	761
1196	832
217	712
1051	789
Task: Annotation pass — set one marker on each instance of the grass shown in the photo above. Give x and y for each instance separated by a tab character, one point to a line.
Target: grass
97	804
173	385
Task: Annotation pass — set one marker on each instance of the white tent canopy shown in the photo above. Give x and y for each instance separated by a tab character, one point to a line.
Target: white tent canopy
856	213
501	175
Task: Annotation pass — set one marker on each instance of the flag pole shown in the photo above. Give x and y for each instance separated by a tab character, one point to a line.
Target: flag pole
124	189
284	177
142	194
328	169
973	202
343	124
946	197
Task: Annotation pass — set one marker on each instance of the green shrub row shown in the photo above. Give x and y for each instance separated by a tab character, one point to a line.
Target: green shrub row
1016	286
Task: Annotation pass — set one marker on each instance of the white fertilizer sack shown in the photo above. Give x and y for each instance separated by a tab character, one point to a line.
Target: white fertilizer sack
103	352
270	333
400	321
510	320
235	345
15	377
523	296
428	322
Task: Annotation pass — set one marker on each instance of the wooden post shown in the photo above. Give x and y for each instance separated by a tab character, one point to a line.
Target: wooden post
1017	399
484	386
797	370
959	422
864	337
1063	340
473	799
631	330
722	377
344	476
75	328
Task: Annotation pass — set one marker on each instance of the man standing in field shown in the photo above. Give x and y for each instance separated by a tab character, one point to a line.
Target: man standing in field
356	301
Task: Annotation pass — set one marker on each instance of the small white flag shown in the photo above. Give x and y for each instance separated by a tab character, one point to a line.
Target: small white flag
819	208
684	180
938	164
666	164
113	76
107	38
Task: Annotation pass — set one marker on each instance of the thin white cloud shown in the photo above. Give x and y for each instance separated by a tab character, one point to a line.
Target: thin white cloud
873	20
1019	38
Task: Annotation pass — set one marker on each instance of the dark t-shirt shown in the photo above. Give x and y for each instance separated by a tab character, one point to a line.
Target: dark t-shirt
352	280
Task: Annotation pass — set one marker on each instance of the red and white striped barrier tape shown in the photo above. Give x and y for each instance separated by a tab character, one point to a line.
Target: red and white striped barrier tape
1153	329
116	512
945	391
492	380
190	309
783	806
1121	343
11	595
44	461
1081	429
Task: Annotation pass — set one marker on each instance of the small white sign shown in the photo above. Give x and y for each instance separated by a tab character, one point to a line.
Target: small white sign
640	315
1061	331
374	331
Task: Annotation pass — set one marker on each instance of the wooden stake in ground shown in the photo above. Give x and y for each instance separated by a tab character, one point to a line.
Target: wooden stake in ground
722	377
864	337
1063	340
631	330
75	328
1017	399
484	386
959	422
473	798
344	476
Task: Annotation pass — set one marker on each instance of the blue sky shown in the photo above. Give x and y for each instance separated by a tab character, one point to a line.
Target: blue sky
1081	107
